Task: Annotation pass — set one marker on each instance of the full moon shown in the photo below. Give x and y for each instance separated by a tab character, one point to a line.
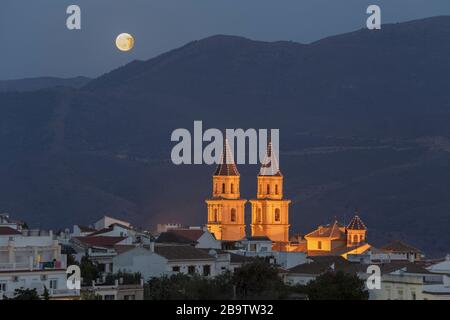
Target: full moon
125	42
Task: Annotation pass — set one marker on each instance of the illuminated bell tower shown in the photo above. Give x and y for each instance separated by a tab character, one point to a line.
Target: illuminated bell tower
356	232
270	212
226	209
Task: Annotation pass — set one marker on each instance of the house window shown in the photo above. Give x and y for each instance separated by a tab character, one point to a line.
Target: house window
259	215
176	268
232	188
223	187
233	215
319	245
191	269
3	286
253	247
129	297
277	215
53	284
206	270
109	297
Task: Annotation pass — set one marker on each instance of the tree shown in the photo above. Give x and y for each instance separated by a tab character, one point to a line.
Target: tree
90	295
336	286
254	280
26	294
189	287
89	270
46	295
259	280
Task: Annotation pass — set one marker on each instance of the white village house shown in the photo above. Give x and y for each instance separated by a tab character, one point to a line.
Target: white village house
32	259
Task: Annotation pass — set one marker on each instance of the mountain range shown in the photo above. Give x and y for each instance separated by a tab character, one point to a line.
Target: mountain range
33	84
363	121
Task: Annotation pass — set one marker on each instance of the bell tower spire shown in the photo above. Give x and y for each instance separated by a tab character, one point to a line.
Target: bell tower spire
270	211
226	209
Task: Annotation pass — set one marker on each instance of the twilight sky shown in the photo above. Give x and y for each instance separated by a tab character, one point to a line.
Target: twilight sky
34	39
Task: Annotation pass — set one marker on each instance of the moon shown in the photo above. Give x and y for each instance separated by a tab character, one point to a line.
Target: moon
124	42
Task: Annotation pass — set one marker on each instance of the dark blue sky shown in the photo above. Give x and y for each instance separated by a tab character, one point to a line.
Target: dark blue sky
35	42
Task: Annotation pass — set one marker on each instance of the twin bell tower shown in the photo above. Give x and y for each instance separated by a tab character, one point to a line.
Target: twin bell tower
226	209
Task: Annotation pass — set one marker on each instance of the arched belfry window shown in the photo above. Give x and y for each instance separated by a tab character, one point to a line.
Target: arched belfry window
277	215
216	217
258	215
260	189
268	189
223	188
233	215
355	238
232	188
276	189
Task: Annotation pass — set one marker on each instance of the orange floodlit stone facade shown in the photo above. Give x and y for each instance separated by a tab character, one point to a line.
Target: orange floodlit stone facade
270	212
226	209
338	239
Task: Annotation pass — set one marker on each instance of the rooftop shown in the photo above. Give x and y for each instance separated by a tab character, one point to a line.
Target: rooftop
399	246
333	230
7	231
226	166
100	241
185	252
191	234
356	224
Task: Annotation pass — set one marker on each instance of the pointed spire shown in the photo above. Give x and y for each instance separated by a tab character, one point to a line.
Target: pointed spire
226	165
270	165
356	223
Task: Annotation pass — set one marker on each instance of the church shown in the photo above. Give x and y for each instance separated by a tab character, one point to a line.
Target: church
270	213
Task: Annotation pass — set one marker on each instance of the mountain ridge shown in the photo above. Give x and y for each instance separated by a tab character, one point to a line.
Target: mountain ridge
39	83
364	123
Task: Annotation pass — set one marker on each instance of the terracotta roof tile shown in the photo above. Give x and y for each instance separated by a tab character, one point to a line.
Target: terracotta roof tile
407	267
100	241
173	237
356	224
226	166
399	246
7	231
333	230
182	252
191	234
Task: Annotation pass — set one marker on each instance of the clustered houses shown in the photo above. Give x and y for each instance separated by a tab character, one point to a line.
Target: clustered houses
31	259
126	257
